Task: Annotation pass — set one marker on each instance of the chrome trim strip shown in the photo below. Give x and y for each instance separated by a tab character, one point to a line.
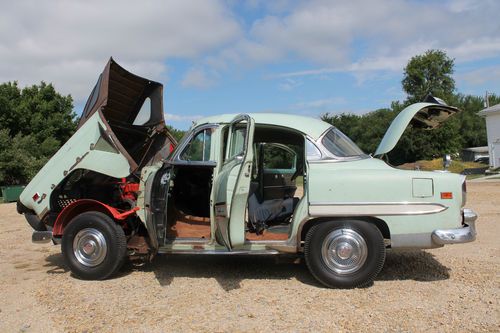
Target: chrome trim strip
187	241
220	252
374	208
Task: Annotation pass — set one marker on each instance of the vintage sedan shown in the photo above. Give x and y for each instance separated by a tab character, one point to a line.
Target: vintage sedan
249	184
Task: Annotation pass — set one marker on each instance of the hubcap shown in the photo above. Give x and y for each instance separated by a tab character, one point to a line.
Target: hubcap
89	247
344	251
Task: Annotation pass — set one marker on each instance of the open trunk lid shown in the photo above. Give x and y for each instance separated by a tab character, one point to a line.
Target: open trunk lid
428	115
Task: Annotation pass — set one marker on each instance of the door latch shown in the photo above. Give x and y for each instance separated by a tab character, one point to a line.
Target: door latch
249	169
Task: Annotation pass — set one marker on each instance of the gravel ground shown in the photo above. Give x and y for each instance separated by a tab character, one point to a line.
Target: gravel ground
452	289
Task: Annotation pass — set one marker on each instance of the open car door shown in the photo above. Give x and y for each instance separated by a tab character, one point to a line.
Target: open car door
232	184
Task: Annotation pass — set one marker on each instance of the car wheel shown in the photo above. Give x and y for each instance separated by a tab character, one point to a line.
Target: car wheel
344	254
94	246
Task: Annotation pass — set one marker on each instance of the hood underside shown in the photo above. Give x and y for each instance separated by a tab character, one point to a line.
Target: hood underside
132	106
120	95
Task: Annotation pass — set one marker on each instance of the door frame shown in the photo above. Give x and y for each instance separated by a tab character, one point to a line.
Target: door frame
229	200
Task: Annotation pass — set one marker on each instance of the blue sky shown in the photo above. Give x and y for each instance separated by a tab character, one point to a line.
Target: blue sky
304	57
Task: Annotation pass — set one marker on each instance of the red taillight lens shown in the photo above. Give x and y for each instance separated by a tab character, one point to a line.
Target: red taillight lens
446	195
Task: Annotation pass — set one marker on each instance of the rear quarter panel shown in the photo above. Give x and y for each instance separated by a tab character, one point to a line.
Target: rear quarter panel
344	185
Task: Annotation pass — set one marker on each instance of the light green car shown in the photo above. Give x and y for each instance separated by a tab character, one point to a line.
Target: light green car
248	184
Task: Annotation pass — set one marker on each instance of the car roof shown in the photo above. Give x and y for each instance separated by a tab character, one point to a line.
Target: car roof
308	125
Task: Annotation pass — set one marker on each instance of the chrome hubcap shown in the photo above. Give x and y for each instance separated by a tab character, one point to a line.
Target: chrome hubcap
89	247
344	251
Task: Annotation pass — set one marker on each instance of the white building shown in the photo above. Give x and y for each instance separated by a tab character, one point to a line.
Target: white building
492	115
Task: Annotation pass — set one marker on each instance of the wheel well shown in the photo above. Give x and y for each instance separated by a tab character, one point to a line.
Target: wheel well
85	205
380	224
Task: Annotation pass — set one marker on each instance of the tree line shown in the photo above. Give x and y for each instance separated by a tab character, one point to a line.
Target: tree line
430	73
34	123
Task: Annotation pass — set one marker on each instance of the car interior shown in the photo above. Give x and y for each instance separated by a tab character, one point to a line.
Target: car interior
275	190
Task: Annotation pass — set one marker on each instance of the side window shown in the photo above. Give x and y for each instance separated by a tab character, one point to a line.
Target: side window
312	152
199	147
238	137
275	157
144	113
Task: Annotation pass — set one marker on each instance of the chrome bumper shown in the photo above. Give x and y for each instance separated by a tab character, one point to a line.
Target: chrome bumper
461	235
41	237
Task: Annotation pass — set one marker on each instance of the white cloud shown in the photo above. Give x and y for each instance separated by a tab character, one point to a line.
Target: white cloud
289	84
320	103
366	36
197	78
480	76
176	118
68	43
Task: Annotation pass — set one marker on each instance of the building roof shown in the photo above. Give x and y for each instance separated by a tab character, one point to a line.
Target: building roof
492	109
311	126
483	149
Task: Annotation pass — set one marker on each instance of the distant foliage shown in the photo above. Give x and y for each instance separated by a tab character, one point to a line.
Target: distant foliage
177	133
34	123
427	73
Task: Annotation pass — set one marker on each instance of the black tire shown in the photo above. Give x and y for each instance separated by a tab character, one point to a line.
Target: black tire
334	253
98	234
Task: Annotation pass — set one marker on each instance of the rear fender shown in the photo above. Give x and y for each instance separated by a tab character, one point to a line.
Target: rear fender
86	205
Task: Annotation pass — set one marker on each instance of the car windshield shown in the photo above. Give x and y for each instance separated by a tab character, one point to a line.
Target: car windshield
340	145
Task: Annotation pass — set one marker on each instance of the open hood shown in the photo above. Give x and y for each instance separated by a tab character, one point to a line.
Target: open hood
120	96
427	115
132	107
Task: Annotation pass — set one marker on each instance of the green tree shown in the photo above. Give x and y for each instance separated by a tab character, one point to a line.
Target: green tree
431	73
471	127
176	133
34	123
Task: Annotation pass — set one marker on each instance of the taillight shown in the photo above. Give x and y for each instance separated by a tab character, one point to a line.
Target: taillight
464	192
446	195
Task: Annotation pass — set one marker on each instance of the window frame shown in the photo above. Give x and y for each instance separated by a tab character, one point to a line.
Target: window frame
177	160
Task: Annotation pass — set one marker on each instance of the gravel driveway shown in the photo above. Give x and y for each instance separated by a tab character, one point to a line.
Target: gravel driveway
452	289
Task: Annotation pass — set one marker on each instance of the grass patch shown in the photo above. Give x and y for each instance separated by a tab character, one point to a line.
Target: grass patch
470	177
437	164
